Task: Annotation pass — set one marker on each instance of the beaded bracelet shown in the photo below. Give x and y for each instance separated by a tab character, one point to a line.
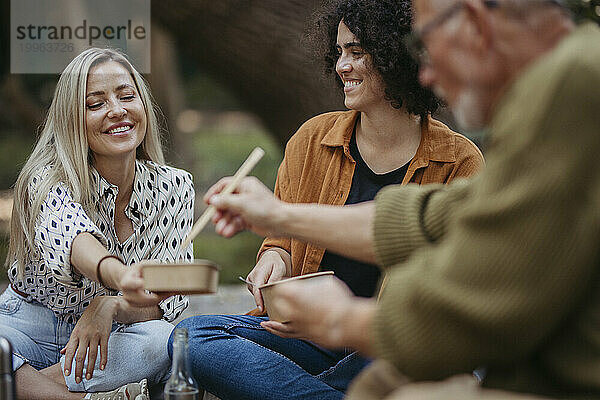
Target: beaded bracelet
98	267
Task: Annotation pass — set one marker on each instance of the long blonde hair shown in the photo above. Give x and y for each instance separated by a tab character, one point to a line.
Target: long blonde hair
63	147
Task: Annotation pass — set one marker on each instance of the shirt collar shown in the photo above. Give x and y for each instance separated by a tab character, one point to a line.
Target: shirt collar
144	182
341	131
434	135
436	144
141	200
101	187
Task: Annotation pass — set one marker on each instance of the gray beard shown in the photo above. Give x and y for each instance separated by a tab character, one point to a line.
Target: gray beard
467	111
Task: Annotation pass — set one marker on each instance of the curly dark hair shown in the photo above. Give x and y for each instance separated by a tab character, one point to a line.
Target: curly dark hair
380	26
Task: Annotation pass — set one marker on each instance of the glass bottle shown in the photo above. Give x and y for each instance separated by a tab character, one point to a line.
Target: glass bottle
7	381
181	385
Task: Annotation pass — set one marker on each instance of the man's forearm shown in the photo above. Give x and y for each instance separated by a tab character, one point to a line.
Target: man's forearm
346	230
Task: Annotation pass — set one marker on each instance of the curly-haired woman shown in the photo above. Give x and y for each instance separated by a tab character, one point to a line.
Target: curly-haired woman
387	137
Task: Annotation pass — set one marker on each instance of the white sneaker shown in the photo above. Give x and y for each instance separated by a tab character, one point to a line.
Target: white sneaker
131	391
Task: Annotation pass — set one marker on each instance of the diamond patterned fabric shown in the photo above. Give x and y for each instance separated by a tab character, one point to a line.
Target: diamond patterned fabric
161	209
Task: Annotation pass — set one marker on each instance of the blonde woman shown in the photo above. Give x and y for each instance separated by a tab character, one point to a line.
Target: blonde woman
94	199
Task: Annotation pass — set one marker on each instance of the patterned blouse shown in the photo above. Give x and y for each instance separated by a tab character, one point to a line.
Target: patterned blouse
161	210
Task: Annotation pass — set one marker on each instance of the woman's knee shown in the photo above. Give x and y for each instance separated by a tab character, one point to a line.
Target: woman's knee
209	327
196	327
203	326
25	350
211	324
138	351
202	322
159	328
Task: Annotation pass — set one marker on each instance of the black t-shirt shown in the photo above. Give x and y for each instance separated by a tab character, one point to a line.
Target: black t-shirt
362	278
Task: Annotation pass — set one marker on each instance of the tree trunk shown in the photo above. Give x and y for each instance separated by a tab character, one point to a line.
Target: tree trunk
255	48
168	91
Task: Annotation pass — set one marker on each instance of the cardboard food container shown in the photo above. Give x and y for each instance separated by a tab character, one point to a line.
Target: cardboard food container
195	277
270	299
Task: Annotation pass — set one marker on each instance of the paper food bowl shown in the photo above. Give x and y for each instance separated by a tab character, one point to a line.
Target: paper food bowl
195	277
270	299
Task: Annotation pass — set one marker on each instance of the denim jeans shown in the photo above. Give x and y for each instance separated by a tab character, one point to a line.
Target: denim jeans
233	357
135	351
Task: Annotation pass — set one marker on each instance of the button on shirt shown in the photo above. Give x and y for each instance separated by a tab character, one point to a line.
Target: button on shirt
161	210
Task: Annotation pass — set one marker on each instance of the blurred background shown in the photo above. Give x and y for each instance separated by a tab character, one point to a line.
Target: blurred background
228	75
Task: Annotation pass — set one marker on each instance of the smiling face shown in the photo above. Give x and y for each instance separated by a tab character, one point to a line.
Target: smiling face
363	86
115	116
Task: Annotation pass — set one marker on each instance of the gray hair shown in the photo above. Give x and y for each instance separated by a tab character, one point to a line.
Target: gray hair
528	12
516	5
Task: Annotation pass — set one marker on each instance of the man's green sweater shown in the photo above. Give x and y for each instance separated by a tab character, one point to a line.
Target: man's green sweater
503	271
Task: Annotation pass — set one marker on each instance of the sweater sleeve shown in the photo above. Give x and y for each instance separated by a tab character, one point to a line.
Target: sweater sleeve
413	216
519	253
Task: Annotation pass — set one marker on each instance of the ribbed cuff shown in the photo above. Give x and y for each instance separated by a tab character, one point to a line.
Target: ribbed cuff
439	207
399	222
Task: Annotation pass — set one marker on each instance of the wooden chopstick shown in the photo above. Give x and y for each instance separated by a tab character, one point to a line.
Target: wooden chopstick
244	170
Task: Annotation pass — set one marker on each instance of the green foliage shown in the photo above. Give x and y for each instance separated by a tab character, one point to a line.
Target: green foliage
220	153
3	253
14	150
204	93
236	256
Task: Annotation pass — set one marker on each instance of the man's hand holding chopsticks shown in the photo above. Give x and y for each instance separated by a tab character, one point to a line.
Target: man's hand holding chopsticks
251	206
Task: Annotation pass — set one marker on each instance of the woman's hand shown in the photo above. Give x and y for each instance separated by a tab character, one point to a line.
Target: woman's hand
131	284
92	330
270	268
251	206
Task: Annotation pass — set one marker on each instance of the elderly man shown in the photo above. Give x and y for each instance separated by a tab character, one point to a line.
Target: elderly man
501	272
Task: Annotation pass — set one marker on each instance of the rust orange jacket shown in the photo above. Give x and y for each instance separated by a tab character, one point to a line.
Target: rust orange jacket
317	168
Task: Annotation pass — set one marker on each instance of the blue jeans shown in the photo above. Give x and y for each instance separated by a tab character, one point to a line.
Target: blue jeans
135	351
233	357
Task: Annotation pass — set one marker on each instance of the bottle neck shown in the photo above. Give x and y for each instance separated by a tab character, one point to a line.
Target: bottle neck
180	358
